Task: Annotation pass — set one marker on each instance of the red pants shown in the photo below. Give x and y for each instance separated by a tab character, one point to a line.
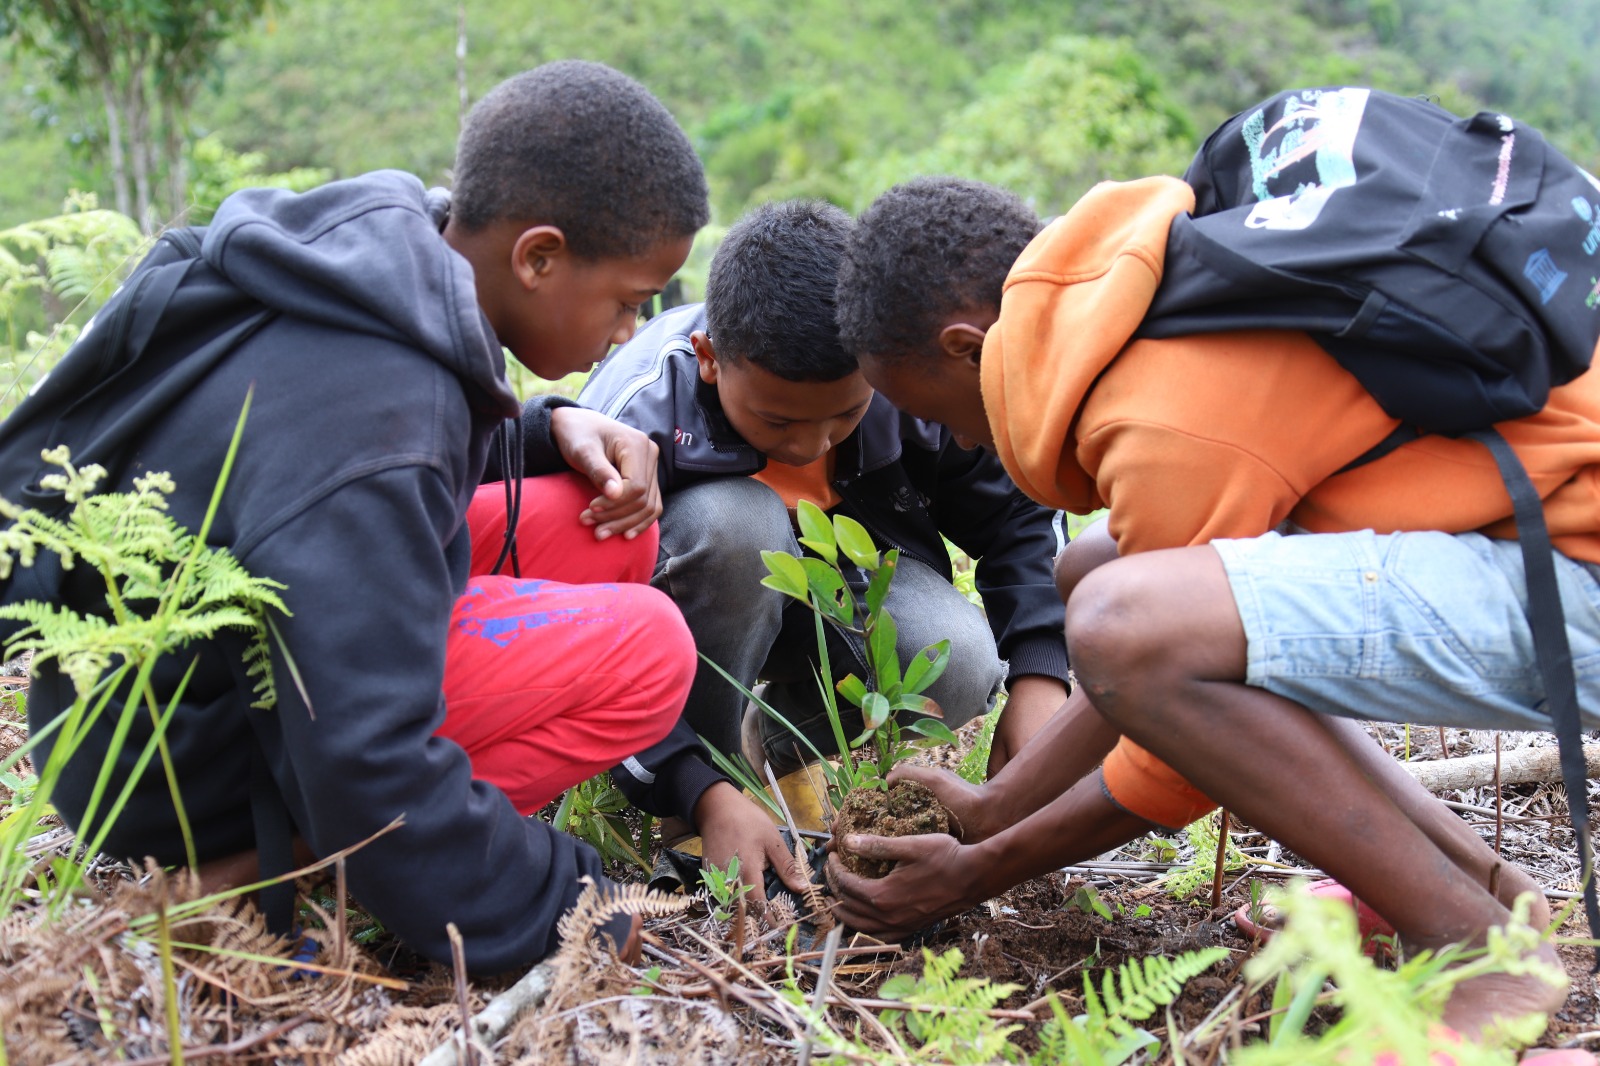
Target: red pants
562	673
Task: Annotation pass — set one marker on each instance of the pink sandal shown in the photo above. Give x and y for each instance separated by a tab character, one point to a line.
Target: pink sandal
1560	1057
1377	935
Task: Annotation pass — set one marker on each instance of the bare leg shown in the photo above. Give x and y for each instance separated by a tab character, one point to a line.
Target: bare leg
1070	745
1159	646
1064	745
1453	836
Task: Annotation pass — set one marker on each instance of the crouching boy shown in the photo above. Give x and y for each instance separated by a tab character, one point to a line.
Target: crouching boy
755	407
1229	658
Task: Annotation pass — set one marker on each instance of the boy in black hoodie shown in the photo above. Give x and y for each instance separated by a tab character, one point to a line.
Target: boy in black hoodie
379	384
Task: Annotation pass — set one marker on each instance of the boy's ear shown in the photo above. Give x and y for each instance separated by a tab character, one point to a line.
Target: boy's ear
705	354
963	341
536	252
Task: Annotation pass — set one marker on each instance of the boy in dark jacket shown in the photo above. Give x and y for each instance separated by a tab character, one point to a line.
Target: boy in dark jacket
1248	595
457	705
755	406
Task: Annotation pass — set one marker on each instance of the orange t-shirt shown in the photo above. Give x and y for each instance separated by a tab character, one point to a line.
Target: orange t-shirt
813	482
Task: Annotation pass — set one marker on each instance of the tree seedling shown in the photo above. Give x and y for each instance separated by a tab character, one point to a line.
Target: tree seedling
723	888
820	582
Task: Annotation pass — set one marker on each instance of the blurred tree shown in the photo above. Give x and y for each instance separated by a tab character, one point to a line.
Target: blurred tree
145	60
217	170
1077	111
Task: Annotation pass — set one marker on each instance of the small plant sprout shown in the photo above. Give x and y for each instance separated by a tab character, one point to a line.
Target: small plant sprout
723	888
820	582
594	811
1087	900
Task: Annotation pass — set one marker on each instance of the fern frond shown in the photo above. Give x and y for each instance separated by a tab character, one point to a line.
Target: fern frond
131	539
594	910
258	664
953	1024
1132	993
1140	990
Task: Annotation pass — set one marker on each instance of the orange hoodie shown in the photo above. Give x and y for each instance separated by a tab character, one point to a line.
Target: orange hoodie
1228	434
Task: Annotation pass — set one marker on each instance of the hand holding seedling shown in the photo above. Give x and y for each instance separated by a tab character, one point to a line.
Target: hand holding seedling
970	818
929	882
620	461
733	827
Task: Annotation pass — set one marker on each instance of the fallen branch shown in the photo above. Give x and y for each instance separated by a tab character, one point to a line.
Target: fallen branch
491	1023
1525	766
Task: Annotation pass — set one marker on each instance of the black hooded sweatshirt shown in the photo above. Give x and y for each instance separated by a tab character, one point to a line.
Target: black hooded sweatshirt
376	389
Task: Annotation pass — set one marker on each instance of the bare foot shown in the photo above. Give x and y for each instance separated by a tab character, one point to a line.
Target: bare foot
1479	1002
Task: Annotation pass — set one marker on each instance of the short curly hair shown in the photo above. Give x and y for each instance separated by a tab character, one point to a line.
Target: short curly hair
923	252
770	292
585	148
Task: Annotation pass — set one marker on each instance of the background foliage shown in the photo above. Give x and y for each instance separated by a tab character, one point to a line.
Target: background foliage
836	98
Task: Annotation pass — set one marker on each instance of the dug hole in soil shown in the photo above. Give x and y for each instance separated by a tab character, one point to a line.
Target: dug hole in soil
909	808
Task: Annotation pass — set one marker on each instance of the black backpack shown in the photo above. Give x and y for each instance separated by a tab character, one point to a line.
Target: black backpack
1451	264
170	323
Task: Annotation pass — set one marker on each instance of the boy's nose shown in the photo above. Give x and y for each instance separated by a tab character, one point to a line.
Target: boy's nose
812	446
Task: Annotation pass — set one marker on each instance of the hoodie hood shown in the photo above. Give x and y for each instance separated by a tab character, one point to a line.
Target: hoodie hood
363	255
1071	303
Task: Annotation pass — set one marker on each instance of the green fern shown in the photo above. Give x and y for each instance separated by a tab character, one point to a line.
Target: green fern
974	765
136	547
79	257
954	1025
1105	1034
164	590
85	249
1380	1011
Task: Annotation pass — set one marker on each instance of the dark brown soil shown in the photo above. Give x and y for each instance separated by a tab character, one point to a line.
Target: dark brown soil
907	809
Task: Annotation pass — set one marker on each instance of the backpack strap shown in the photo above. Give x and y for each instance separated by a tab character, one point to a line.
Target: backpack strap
274	832
1552	652
1401	434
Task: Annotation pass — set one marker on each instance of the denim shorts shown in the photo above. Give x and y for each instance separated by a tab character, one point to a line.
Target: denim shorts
1428	628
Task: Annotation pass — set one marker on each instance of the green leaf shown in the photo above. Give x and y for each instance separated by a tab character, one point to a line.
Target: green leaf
932	727
813	522
785	574
1087	900
878	587
881	652
927	666
816	532
855	542
853	689
825	549
918	705
897	986
874	712
828	591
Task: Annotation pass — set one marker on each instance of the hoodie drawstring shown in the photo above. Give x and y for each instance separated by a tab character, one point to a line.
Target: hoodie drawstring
511	459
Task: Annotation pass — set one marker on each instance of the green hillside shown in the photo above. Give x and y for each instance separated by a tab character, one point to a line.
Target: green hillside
837	98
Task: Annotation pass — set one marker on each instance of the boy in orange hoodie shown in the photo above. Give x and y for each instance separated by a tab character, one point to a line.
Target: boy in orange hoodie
1219	660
